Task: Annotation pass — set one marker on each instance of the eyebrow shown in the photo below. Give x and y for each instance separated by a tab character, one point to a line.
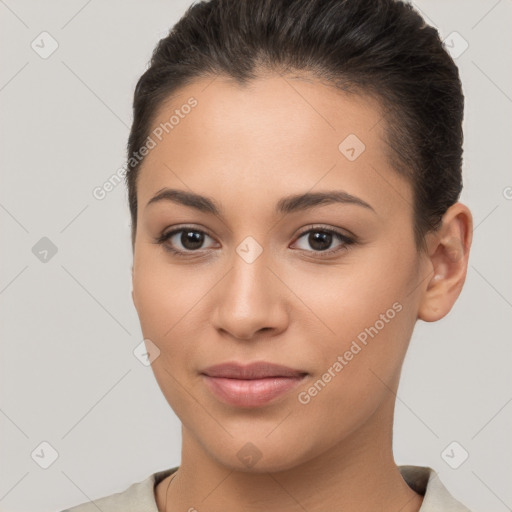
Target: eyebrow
285	205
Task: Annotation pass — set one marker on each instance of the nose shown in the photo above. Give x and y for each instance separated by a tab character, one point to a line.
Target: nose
250	300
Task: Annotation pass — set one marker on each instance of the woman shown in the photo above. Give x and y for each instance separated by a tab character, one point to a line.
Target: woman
294	175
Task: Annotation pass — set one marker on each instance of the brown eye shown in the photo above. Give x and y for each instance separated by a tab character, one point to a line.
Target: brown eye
320	240
184	240
191	239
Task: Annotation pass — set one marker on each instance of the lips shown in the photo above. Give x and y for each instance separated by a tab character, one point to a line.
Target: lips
250	385
260	370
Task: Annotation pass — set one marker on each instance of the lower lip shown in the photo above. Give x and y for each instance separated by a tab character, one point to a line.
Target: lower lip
250	393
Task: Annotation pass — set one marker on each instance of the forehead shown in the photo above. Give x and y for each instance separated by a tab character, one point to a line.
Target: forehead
281	109
275	132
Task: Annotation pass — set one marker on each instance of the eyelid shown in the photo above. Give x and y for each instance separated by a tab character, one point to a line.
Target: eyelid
166	235
345	241
336	231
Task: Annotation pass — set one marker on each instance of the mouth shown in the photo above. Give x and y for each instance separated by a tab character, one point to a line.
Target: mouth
251	385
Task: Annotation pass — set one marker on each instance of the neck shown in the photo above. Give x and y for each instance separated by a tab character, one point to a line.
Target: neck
357	474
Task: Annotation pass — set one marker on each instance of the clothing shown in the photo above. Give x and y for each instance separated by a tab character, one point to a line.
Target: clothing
140	496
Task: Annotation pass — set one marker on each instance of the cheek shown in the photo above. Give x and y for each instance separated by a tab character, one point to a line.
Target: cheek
349	299
170	304
163	294
164	298
368	315
358	367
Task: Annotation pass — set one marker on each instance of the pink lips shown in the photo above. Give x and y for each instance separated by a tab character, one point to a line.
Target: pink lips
250	385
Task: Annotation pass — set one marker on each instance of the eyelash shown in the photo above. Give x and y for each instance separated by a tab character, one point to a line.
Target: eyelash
346	241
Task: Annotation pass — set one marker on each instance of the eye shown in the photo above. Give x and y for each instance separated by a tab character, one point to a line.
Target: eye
188	240
320	239
183	241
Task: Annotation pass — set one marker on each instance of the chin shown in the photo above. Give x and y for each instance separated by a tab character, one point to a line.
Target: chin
263	455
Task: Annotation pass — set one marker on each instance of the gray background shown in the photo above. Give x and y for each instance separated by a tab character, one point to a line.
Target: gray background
69	328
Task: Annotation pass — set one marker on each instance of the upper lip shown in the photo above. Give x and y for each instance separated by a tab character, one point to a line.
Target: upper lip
258	370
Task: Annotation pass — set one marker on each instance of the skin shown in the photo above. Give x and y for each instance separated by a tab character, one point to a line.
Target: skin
246	148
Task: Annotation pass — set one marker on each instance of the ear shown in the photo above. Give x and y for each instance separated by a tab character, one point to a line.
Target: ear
448	254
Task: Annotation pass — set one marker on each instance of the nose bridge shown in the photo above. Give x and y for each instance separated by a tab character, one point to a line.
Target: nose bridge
249	298
248	287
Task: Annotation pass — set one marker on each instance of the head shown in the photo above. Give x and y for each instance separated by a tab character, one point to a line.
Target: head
325	140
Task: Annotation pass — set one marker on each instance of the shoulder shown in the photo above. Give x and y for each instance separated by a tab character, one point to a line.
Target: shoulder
436	498
138	497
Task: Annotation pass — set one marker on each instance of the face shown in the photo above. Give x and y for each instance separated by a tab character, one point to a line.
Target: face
327	289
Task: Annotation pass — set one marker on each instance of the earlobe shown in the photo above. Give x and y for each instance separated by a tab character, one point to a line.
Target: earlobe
448	254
